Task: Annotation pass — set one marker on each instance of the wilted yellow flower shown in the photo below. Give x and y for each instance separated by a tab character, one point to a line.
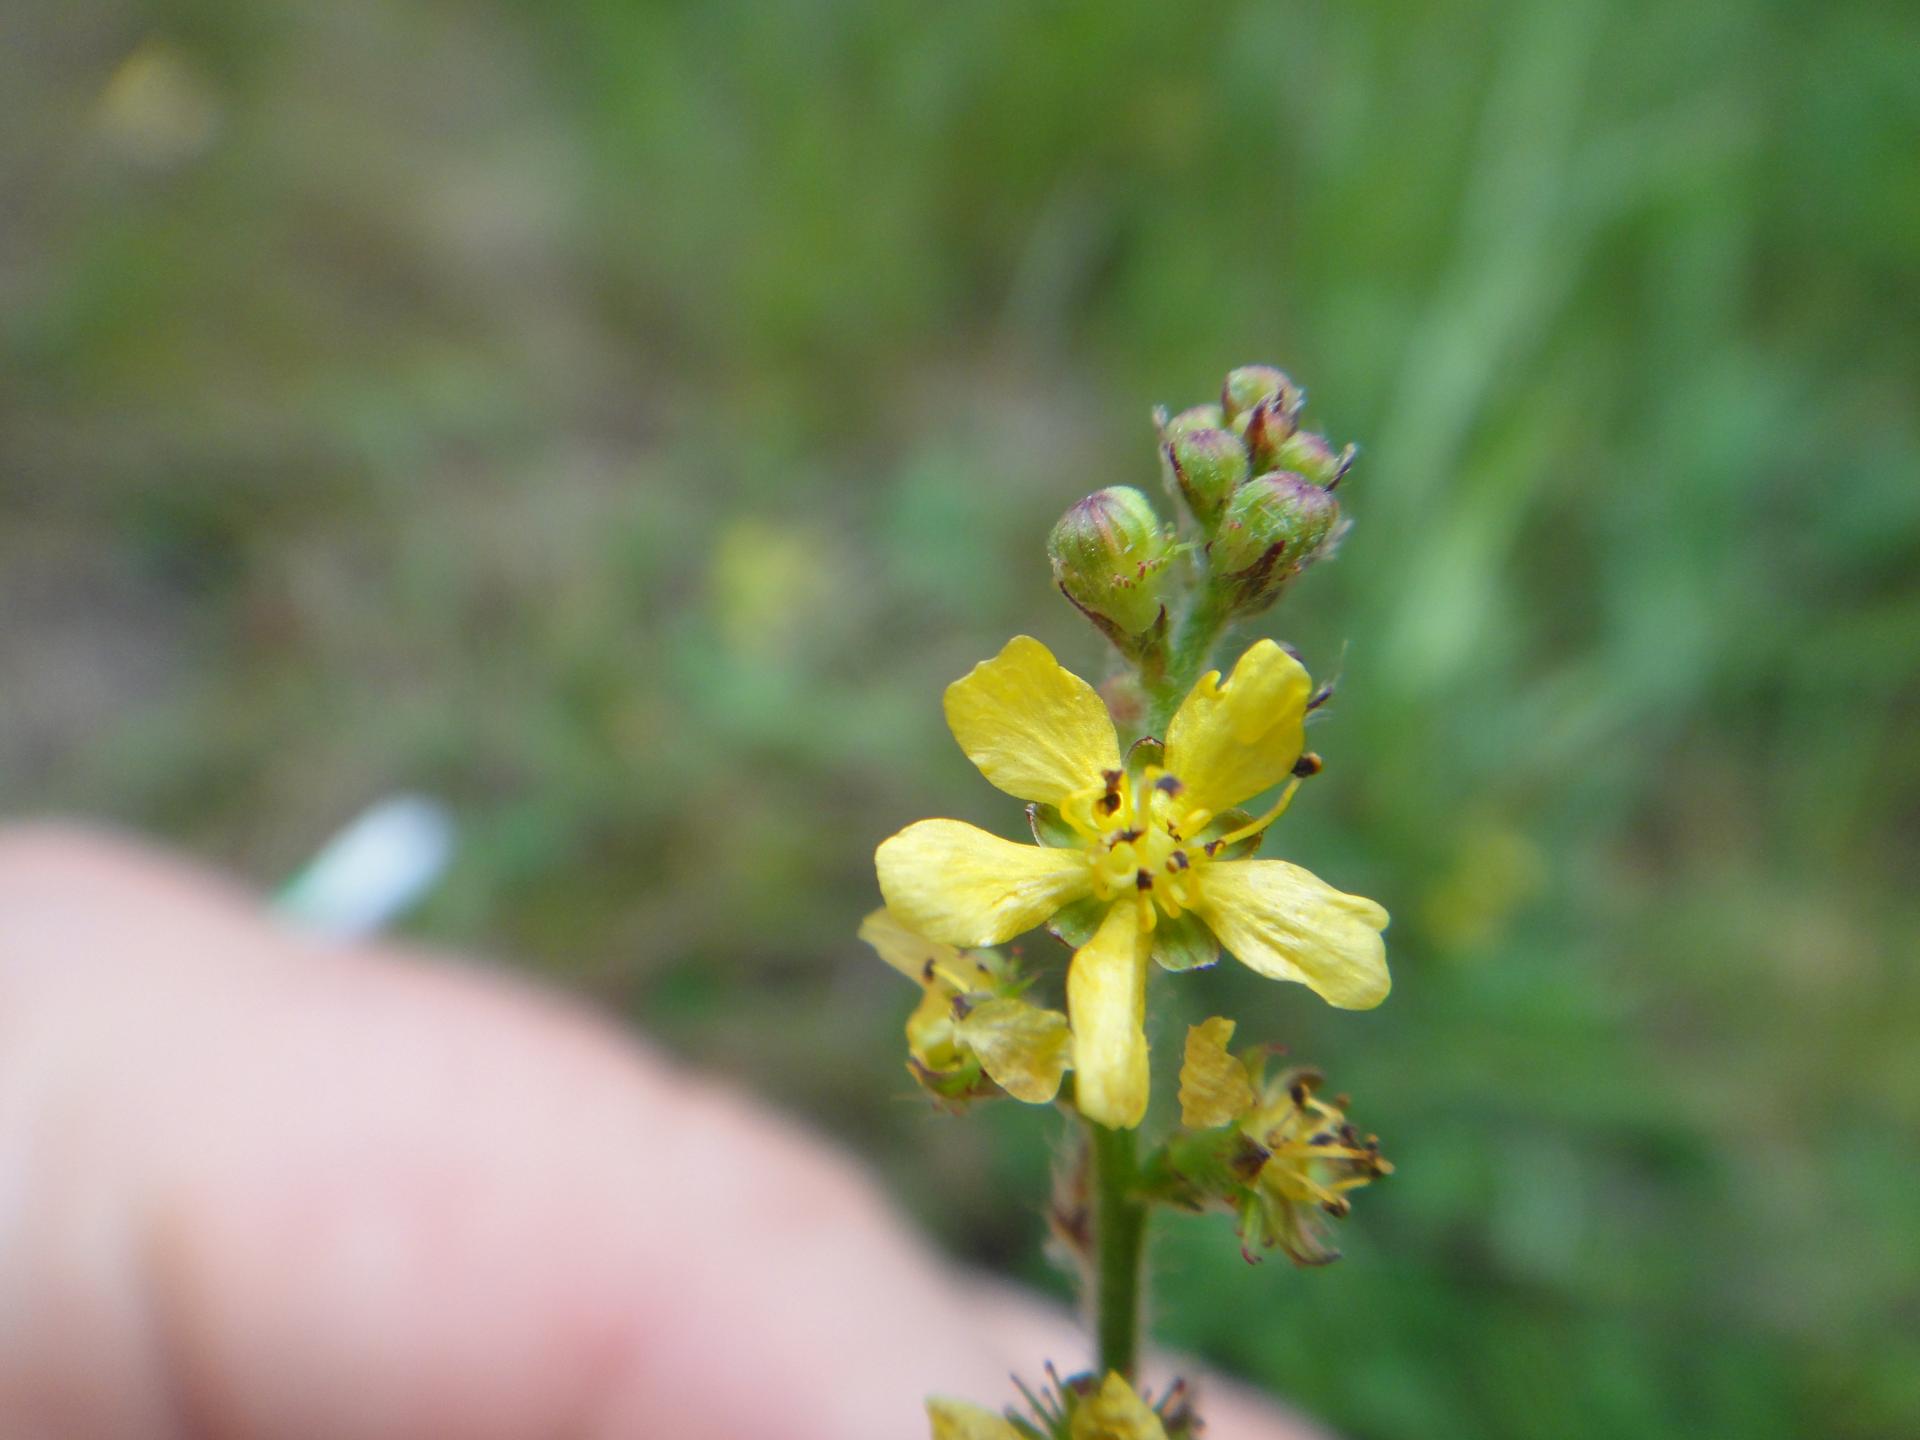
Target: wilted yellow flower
971	1019
1303	1156
1135	860
1314	1157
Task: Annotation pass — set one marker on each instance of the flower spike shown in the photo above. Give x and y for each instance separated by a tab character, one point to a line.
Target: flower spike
1148	799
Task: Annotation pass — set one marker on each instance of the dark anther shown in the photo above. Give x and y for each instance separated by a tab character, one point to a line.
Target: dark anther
1144	880
1168	785
1213	846
1308	764
1127	837
1112	777
1299	1090
1178	860
1248	1157
1325	1137
961	1007
926	972
1109	802
1321	696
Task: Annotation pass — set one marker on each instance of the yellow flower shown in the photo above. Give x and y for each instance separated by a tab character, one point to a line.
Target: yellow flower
971	1019
1136	861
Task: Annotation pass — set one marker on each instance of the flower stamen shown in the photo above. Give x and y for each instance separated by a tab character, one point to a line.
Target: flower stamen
1254	827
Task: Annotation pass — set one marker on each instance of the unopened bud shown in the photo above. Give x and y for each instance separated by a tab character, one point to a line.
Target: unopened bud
1250	384
1275	525
1108	553
1308	454
1199	417
1270	425
1207	465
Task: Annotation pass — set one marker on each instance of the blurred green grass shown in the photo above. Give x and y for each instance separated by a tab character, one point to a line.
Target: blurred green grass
622	419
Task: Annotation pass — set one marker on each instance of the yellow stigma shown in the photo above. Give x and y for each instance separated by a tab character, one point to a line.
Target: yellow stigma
1141	838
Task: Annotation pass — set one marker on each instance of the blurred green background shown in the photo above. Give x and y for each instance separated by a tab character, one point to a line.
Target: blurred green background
621	420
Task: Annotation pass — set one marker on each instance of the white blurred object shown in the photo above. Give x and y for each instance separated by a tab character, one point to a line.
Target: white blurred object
374	871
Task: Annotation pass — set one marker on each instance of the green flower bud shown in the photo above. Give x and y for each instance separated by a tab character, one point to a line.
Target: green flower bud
1200	417
1109	553
1275	526
1206	466
1250	384
1270	424
1308	454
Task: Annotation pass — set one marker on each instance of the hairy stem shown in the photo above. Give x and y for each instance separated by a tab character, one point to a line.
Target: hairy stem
1119	1245
1192	648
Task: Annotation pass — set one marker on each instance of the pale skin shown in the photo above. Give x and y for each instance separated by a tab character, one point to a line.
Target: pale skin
256	1186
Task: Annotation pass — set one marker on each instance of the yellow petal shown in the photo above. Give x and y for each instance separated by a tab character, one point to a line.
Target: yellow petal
957	1420
1214	1088
1114	1412
1035	729
931	1035
1289	924
906	949
954	882
1231	741
1107	1000
1022	1047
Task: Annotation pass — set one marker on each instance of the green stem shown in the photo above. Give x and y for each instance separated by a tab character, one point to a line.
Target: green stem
1192	648
1119	1245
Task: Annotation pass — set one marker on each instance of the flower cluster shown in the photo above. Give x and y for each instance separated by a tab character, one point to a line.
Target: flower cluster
1258	496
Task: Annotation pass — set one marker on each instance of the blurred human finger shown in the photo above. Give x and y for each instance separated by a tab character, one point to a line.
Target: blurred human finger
252	1185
